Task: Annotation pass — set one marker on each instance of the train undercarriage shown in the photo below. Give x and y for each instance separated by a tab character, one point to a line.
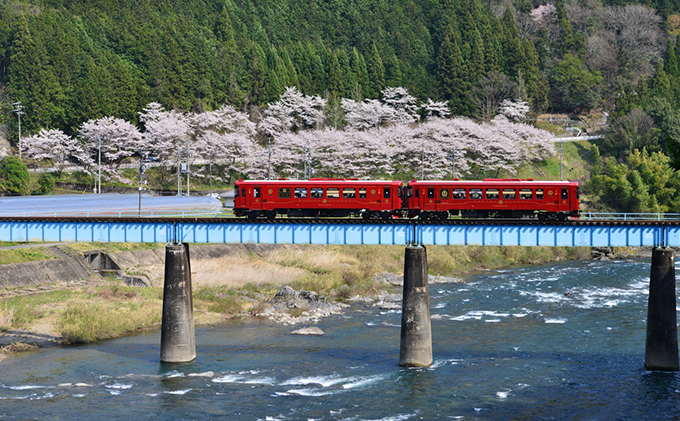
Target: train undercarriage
421	215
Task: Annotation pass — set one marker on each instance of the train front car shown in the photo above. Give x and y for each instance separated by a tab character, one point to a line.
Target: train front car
493	198
317	197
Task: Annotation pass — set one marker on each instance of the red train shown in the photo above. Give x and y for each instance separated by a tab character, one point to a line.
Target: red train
338	197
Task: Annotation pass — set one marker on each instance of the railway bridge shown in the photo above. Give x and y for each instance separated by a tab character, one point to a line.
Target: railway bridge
177	335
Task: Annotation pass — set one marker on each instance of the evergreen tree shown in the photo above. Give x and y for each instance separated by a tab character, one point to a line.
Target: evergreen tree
660	86
670	61
349	80
393	76
566	40
335	85
376	73
358	66
451	74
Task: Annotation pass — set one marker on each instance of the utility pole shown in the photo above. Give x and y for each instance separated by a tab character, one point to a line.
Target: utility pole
99	159
561	154
17	109
452	157
143	160
269	162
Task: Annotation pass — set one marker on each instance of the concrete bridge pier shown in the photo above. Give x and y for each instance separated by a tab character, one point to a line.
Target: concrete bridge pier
177	331
416	334
661	351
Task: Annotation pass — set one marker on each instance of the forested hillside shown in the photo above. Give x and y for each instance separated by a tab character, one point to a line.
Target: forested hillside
71	61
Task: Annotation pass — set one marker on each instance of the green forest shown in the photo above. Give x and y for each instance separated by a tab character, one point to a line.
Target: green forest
68	61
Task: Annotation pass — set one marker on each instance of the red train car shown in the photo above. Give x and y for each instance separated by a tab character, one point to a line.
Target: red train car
502	198
336	197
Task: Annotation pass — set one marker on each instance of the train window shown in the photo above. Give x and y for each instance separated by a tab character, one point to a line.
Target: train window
417	193
300	193
492	194
409	191
444	194
539	194
565	193
475	193
256	192
236	192
333	193
316	193
284	193
509	194
525	194
430	193
386	193
362	193
349	193
458	194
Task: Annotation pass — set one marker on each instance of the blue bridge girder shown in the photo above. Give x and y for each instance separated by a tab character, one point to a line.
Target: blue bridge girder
344	231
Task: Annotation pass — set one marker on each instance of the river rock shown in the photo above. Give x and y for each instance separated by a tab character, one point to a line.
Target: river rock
309	331
289	306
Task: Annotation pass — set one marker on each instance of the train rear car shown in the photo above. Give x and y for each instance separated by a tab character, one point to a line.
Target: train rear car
317	197
493	198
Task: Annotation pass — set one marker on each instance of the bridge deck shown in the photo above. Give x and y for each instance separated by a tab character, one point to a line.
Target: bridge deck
344	231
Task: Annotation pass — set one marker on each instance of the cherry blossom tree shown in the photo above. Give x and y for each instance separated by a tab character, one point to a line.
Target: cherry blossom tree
166	136
434	109
56	147
516	110
117	138
225	137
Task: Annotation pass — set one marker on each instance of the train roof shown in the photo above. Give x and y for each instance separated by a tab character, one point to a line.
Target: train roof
488	181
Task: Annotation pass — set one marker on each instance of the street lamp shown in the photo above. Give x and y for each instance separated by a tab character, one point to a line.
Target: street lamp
17	109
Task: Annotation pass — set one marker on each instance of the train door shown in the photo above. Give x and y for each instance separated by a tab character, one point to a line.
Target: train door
253	197
429	202
564	199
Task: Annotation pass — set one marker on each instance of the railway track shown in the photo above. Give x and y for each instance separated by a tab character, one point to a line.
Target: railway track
350	221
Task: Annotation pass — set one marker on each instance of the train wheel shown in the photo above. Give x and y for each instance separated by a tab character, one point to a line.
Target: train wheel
561	217
271	215
252	216
386	215
542	216
366	216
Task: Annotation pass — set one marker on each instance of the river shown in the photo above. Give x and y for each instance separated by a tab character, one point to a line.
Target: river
559	341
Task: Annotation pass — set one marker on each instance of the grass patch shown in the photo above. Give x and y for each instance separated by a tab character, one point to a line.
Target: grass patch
22	255
21	311
87	321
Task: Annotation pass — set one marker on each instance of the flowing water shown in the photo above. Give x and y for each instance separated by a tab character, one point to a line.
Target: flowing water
560	341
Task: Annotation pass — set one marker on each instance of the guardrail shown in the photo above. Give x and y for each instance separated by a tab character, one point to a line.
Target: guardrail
160	213
592	216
